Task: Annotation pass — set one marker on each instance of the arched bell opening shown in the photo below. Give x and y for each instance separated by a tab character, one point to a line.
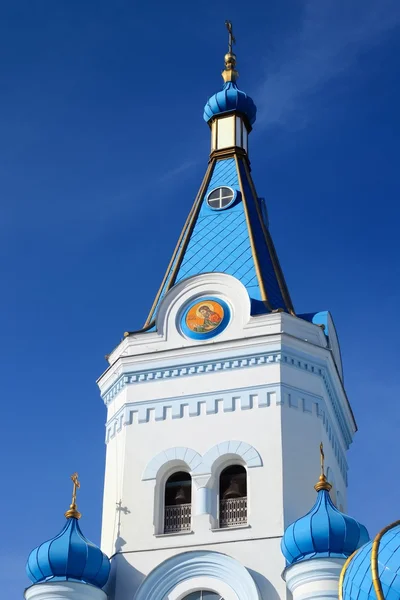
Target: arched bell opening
233	496
178	503
203	595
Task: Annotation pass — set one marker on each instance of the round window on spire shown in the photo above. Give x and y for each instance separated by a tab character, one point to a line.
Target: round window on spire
221	197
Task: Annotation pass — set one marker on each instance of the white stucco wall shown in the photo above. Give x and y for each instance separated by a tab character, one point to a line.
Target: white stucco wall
267	381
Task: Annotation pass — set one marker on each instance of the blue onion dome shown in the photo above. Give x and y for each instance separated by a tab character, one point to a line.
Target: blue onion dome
373	572
323	532
69	556
230	98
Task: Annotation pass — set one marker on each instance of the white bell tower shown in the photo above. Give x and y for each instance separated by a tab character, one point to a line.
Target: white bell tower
216	408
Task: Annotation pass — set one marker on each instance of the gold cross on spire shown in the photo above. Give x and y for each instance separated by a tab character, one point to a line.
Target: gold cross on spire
72	512
322	455
231	38
322	483
229	73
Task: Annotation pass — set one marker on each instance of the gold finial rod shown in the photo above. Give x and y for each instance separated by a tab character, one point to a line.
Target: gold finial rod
72	512
322	483
230	73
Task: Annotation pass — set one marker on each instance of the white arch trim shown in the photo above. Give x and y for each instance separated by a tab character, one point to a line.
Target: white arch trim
190	571
186	455
211	584
203	465
243	450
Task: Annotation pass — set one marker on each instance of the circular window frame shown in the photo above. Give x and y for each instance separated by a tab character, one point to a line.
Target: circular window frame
228	187
194	335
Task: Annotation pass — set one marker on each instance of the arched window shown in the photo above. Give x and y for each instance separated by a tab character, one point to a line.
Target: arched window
203	595
233	496
178	503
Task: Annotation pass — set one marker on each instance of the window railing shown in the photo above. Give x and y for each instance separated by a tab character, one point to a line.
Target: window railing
177	518
233	512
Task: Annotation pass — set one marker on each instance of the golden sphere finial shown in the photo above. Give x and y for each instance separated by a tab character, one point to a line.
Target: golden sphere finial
230	59
322	484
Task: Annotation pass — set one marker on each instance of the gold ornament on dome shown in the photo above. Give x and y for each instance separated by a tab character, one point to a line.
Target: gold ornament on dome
73	512
230	73
322	483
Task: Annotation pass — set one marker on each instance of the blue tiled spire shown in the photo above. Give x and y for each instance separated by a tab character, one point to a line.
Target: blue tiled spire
236	239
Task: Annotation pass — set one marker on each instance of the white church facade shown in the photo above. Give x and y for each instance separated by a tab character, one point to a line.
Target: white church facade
227	425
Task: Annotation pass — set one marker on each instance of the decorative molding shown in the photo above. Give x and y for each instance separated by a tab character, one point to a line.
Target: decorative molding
246	452
199	465
297	361
187	370
187	455
64	590
314	578
192	565
194	584
257	398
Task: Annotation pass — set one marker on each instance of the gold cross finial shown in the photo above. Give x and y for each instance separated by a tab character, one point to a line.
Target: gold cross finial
321	451
231	38
322	483
230	73
72	512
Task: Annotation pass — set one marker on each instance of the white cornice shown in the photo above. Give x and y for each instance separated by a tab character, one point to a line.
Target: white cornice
322	367
253	398
168	336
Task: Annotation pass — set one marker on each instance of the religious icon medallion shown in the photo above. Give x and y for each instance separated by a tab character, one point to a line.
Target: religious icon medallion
205	318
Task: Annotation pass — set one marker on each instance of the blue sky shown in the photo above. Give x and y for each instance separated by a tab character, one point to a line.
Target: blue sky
102	150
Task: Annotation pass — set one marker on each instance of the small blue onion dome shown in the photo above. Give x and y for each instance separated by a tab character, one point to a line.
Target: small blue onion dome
373	572
230	99
322	532
69	555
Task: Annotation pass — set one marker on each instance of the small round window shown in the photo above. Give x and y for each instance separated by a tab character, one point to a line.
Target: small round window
221	198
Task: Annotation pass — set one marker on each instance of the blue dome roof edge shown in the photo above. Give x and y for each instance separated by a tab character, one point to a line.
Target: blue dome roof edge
357	573
68	556
228	100
323	531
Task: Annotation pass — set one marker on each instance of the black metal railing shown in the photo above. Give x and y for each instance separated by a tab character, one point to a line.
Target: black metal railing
233	512
177	518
